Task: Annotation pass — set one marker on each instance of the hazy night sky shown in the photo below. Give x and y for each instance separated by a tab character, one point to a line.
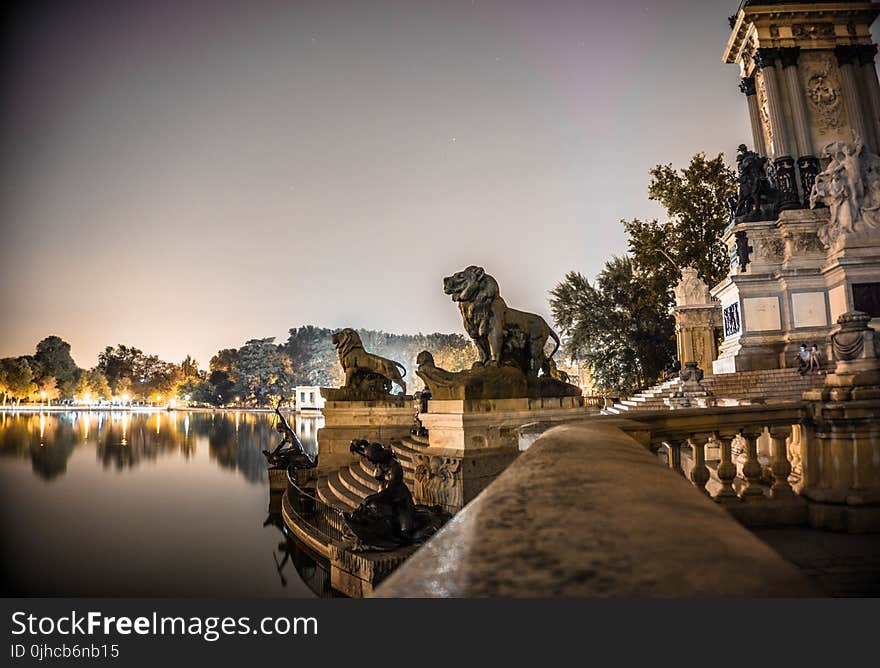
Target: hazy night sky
183	176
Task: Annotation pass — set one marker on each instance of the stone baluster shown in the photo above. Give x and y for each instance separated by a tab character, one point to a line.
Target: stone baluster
726	470
747	88
780	465
700	472
752	467
673	450
847	55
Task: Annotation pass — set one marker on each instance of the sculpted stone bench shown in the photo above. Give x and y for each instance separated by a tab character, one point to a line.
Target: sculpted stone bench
588	511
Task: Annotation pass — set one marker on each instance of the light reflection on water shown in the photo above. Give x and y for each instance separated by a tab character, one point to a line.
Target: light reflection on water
116	503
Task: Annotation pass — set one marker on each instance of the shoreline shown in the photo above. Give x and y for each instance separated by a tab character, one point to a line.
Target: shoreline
35	408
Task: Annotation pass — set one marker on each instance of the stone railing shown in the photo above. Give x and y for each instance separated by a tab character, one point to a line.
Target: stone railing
588	511
734	455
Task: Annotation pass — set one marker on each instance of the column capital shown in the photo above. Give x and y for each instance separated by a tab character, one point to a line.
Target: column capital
747	86
846	54
788	55
766	57
867	53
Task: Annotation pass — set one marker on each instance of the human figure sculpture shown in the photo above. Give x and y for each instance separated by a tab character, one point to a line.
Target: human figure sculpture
389	518
850	187
290	452
756	196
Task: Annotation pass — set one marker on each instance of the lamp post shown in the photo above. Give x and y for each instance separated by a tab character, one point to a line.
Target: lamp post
42	398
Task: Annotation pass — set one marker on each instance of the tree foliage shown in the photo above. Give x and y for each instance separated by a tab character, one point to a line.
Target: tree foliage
622	326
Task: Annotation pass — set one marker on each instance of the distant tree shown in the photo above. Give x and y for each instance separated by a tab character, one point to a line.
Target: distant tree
53	357
224	360
46	388
189	368
18	378
263	372
312	356
623	332
120	367
97	383
223	387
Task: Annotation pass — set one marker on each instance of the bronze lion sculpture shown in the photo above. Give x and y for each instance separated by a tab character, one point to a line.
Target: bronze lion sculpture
501	334
362	367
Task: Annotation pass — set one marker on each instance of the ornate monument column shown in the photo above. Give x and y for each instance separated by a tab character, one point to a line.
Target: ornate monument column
747	88
867	52
847	60
808	164
765	61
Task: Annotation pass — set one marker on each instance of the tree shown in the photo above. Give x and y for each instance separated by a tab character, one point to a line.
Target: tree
695	199
120	366
624	333
263	372
18	377
189	368
622	327
53	356
97	383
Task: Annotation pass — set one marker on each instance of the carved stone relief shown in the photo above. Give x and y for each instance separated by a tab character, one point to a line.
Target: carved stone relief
822	90
812	30
770	248
764	111
438	481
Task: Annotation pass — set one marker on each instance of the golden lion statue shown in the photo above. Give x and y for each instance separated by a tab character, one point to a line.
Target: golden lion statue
361	367
501	334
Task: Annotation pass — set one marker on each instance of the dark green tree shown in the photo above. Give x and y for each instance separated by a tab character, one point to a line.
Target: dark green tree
624	333
695	199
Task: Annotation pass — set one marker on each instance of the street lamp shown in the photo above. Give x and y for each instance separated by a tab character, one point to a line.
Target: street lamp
42	397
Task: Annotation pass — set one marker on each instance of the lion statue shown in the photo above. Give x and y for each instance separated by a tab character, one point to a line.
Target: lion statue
501	334
362	368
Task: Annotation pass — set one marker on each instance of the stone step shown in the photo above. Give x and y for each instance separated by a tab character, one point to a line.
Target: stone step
347	478
328	496
365	475
341	492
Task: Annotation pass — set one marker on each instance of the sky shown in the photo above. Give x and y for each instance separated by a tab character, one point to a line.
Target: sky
185	176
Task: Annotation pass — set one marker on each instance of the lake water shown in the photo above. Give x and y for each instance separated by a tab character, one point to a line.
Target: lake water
146	504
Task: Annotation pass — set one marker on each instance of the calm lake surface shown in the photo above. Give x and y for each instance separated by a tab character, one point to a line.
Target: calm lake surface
145	504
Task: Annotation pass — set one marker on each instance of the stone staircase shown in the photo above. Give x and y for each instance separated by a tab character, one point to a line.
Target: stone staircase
764	386
345	488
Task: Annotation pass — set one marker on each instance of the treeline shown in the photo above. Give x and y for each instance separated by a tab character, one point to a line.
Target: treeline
258	373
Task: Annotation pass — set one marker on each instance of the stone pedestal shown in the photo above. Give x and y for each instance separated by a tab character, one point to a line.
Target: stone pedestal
471	441
378	420
696	317
792	290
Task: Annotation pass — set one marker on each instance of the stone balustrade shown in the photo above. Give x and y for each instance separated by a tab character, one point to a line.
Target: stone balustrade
588	511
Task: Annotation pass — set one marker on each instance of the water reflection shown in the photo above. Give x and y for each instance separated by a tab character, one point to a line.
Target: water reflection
125	440
118	503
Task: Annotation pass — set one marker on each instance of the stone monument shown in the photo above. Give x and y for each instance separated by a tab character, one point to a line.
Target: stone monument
697	315
474	415
803	238
364	407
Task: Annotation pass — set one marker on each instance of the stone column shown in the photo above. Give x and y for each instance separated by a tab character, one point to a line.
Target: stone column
808	164
872	86
747	88
789	58
765	59
847	57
